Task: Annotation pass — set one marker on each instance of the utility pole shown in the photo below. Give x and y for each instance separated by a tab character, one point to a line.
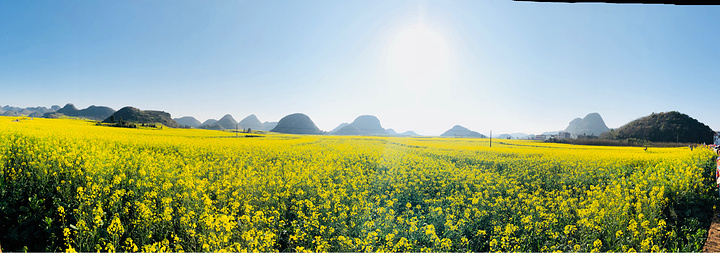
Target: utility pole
236	129
491	138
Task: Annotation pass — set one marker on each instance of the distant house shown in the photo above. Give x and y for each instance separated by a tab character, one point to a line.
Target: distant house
541	137
564	135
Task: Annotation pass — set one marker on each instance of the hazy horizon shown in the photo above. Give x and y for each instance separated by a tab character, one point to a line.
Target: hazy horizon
423	66
241	117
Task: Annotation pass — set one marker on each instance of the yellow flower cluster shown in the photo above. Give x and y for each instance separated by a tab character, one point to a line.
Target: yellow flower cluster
118	189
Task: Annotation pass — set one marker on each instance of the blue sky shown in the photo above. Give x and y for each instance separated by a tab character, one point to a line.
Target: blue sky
417	65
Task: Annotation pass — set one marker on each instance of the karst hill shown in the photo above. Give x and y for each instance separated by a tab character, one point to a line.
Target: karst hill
670	126
461	132
188	121
363	125
134	115
296	123
251	122
92	112
592	124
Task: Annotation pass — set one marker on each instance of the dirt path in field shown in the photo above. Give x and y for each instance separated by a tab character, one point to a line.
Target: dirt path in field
712	244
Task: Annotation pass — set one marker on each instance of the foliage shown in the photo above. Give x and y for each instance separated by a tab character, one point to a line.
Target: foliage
664	127
70	185
132	115
630	142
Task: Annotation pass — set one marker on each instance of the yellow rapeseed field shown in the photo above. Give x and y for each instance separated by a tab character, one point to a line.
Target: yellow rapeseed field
69	185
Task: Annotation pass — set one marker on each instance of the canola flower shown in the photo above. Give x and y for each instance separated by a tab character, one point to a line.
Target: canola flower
74	186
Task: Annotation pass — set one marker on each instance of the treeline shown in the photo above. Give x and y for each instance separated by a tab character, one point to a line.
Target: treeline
621	143
128	124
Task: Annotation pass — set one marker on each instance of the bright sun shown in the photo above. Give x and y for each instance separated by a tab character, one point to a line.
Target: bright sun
418	55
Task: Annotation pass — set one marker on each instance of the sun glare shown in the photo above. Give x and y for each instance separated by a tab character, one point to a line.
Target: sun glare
418	54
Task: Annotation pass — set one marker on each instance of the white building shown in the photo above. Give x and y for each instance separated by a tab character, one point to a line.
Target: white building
564	135
541	137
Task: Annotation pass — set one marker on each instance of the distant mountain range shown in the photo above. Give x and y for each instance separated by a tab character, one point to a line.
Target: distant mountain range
226	122
252	122
591	125
92	112
28	111
656	127
294	123
513	136
367	125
